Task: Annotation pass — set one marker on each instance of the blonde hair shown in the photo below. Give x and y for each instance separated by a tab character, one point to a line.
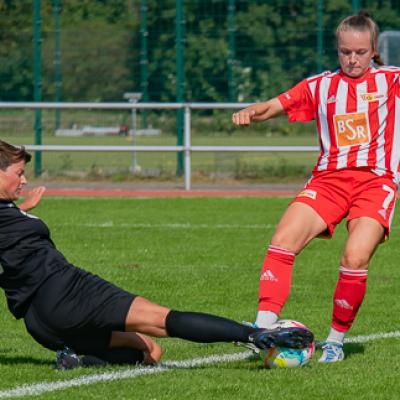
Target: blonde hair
362	22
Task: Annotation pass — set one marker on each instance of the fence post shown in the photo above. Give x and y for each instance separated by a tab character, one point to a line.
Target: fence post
355	6
231	50
180	76
37	75
320	34
188	168
57	60
143	58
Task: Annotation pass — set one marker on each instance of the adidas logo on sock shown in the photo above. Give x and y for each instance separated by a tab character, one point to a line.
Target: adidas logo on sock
344	304
268	276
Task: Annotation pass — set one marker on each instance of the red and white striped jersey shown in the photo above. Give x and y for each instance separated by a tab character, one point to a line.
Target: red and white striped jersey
358	120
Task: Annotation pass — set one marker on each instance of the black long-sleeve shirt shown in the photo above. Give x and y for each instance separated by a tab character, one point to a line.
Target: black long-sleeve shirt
27	256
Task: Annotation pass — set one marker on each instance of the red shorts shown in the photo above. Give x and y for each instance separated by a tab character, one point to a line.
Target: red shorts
352	193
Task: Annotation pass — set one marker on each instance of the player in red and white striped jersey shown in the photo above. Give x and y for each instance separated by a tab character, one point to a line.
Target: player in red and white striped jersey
358	119
357	110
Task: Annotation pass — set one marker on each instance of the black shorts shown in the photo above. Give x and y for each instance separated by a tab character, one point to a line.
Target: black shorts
77	309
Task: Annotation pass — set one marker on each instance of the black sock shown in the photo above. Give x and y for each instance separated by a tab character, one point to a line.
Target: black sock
206	328
116	355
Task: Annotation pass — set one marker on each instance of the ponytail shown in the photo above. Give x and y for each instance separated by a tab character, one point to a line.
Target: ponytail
378	60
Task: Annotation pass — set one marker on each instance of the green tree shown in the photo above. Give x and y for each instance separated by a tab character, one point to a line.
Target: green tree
16	50
100	45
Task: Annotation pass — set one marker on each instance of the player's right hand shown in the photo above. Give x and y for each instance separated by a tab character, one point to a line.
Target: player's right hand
243	117
32	198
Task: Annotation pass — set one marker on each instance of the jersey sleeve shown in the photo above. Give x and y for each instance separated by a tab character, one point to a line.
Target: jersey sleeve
398	86
298	103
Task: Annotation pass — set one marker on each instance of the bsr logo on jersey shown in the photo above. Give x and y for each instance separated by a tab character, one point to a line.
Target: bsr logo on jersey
351	129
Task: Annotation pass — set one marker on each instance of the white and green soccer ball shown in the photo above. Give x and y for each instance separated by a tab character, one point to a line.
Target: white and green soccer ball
284	357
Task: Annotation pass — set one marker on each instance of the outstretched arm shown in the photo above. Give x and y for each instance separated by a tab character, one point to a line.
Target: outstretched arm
32	198
258	112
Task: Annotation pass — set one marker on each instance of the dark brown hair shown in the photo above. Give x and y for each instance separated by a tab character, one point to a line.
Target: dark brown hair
362	22
10	154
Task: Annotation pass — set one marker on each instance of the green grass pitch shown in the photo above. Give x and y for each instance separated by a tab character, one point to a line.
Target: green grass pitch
204	254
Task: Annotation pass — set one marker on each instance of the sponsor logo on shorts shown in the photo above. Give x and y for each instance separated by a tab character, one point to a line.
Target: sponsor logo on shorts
344	304
371	96
312	194
268	276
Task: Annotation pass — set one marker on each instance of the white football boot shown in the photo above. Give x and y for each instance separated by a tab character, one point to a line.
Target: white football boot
332	352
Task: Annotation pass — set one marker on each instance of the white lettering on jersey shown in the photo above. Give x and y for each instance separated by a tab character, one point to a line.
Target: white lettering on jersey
353	132
352	129
28	215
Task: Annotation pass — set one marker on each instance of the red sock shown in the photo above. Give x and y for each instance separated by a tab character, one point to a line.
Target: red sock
348	297
275	279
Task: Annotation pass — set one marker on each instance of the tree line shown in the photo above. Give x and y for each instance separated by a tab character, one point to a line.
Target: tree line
275	44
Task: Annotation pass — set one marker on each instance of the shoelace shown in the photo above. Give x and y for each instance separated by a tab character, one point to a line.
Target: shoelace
331	351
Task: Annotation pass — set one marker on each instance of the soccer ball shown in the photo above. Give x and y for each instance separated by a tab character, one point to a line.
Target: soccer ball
284	357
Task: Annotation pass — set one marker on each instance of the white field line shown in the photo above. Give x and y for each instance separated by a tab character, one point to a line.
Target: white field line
374	336
46	387
111	224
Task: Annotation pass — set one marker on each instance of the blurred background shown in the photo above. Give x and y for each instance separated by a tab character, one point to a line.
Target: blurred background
168	51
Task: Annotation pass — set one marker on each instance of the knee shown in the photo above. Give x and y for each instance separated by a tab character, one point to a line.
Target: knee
286	241
146	317
354	260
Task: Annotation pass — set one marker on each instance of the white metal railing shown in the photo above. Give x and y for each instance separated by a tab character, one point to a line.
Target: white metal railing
187	148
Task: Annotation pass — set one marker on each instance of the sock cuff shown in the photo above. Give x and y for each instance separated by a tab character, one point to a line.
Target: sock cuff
170	322
280	250
355	273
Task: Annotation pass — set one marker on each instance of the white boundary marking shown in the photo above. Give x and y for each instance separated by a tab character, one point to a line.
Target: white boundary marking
46	387
374	336
111	224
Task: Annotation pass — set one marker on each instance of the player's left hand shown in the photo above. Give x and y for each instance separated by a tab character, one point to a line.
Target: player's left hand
33	198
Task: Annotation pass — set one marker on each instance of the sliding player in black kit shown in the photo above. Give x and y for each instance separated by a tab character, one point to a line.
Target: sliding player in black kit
73	312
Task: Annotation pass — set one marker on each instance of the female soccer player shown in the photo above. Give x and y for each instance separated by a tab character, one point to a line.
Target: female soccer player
71	311
357	110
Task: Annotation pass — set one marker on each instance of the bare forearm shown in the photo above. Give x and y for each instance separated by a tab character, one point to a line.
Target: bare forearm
258	112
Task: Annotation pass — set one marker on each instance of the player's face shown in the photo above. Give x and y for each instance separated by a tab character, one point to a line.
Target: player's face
12	180
355	52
